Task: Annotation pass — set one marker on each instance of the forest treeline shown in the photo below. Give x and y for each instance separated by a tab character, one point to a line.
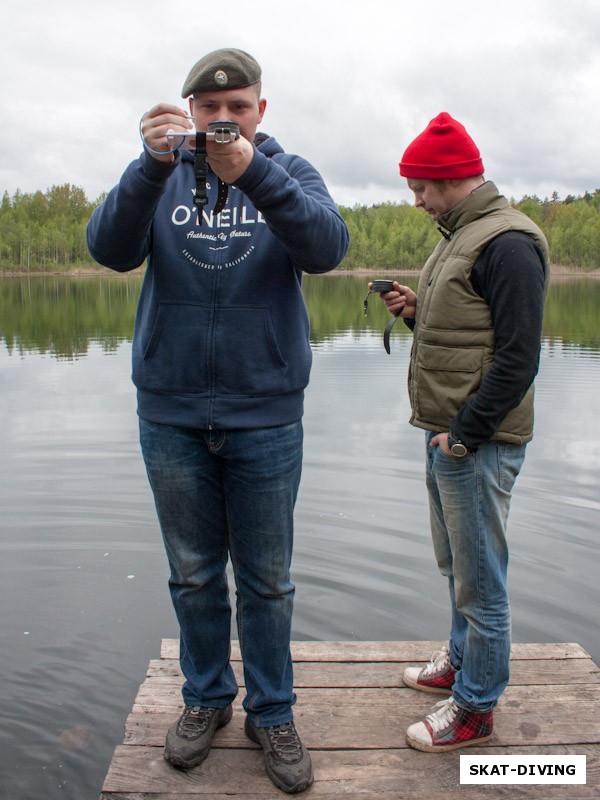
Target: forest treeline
45	231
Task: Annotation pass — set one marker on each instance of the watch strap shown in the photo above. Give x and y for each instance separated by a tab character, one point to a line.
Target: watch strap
453	441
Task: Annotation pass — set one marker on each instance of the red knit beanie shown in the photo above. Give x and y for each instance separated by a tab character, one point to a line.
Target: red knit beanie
443	151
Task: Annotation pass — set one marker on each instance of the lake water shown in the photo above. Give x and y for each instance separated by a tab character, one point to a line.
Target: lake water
83	577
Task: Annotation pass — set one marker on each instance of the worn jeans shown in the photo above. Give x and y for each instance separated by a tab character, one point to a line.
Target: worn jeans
222	494
469	500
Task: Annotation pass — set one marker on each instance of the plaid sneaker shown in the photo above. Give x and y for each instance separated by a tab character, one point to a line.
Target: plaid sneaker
287	760
188	739
437	677
449	728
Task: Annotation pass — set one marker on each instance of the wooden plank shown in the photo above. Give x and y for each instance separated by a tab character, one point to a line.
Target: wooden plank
352	712
378	718
387	674
138	773
399	651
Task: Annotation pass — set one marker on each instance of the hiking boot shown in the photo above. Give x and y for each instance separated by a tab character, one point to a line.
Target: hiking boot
449	728
437	677
286	759
189	739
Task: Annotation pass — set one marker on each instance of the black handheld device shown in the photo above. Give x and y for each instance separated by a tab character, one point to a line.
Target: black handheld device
382	285
377	287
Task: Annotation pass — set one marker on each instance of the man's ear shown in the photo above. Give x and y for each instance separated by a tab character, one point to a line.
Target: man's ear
262	105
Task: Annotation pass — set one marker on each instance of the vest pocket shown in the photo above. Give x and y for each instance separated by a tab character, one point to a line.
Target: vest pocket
445	378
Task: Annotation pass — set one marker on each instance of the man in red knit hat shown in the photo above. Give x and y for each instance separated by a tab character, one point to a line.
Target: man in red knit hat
477	322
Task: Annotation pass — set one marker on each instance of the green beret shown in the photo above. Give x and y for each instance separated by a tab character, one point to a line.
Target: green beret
220	70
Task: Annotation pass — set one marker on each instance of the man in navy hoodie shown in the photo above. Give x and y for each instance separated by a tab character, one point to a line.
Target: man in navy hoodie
221	358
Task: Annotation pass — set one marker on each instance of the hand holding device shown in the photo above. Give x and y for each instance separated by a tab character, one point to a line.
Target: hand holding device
380	286
220	131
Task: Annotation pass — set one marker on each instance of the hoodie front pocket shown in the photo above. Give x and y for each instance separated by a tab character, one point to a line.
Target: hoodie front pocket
176	356
247	354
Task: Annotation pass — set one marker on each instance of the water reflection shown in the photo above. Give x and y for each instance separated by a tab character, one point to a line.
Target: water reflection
62	316
82	572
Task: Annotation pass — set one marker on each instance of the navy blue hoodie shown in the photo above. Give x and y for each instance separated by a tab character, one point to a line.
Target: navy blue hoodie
221	335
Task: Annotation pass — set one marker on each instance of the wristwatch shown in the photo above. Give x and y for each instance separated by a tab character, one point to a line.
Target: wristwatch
458	448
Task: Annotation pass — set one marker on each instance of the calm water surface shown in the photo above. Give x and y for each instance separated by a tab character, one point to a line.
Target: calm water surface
82	573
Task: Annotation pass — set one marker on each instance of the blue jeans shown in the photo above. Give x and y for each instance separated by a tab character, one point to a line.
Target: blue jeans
222	494
469	500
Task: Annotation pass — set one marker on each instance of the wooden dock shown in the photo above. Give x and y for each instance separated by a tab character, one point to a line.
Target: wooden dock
352	713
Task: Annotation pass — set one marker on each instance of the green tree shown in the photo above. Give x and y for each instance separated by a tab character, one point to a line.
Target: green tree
45	231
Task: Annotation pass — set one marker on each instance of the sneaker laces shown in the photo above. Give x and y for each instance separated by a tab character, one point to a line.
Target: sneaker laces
195	721
441	658
444	716
285	742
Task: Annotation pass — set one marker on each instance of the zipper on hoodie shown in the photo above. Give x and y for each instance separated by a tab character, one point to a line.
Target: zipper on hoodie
213	327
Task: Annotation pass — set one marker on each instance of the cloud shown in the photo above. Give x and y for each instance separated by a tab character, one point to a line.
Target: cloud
349	85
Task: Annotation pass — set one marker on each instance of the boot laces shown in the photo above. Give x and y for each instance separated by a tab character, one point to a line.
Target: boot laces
195	721
285	742
444	716
438	662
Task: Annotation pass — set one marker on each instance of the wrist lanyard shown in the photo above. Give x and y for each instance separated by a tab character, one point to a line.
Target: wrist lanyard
201	173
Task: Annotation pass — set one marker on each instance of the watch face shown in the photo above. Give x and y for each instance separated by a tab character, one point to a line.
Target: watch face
459	449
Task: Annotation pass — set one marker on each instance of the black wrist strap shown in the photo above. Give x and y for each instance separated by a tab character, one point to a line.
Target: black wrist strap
386	333
201	174
388	327
221	197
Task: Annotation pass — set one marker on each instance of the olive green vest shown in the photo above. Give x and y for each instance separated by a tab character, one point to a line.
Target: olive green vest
453	345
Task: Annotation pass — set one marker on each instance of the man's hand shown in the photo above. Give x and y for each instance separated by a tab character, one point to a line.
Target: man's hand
230	161
441	440
155	124
402	302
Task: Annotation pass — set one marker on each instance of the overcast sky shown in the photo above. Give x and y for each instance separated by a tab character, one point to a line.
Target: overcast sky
349	84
